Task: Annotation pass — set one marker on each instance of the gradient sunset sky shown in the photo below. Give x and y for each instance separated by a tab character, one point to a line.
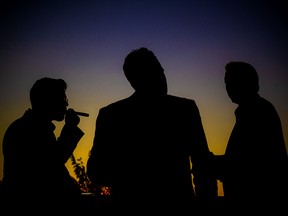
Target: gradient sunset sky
85	43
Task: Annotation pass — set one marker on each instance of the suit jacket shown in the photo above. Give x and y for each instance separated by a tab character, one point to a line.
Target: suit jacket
255	165
34	163
143	148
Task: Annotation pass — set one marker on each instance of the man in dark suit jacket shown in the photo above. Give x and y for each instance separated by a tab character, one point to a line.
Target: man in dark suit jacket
35	175
144	145
254	168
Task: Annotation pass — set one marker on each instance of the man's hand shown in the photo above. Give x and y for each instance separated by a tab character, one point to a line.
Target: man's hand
71	118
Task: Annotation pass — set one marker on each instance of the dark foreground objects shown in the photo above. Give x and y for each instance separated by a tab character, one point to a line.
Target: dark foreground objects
144	146
35	176
254	169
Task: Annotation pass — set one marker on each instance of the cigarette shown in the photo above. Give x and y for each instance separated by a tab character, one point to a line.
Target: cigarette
82	114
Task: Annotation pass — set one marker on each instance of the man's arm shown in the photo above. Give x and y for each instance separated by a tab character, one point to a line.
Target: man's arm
70	134
100	162
203	178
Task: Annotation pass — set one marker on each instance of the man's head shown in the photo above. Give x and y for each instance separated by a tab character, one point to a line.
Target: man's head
48	97
144	72
241	80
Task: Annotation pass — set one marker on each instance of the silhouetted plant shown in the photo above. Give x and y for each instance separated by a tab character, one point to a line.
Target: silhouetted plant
80	172
84	182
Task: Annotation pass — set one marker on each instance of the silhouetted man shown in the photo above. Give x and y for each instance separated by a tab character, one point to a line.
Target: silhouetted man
144	144
254	168
35	176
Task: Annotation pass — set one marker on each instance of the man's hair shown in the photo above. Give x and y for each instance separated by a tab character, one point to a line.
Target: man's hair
138	61
45	89
243	73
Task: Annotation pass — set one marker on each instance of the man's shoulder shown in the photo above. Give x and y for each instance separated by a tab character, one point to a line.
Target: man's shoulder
116	104
130	103
183	100
18	123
